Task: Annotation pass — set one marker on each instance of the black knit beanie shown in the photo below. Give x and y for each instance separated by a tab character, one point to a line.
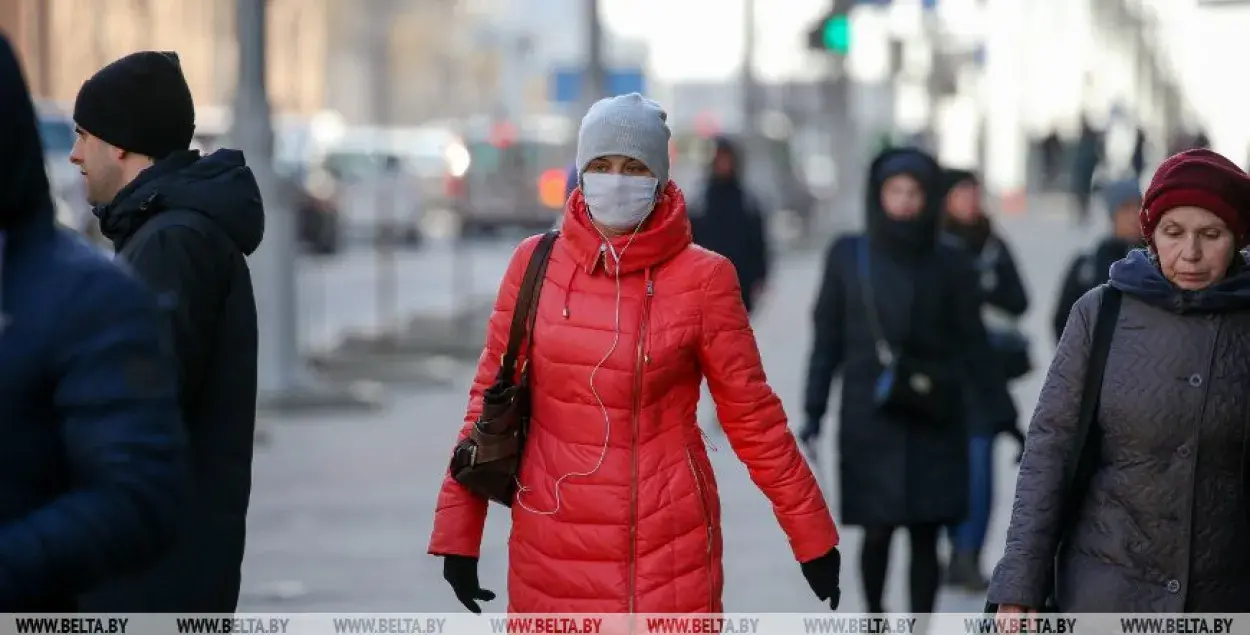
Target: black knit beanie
141	103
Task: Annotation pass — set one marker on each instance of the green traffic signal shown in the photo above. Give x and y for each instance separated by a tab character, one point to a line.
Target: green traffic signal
836	34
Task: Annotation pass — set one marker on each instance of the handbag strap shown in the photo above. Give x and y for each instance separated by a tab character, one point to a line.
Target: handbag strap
1077	473
526	310
884	354
1091	396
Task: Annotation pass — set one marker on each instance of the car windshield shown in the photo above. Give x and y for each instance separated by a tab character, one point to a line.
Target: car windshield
57	135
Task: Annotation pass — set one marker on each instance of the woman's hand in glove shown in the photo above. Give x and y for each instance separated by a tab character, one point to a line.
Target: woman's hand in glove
461	573
823	576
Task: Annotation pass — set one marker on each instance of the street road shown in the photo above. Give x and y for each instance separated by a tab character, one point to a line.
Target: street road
342	505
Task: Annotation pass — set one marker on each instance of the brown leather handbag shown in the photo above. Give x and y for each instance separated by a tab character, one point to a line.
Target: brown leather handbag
487	461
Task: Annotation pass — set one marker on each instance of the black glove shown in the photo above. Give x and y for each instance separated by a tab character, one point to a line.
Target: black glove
822	575
461	573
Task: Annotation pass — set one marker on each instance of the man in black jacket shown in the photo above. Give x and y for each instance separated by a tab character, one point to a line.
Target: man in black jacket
1092	268
184	223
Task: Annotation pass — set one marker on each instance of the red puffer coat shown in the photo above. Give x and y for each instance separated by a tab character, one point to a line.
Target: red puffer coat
639	529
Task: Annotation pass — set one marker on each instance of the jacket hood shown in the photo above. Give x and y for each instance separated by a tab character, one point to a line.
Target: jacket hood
663	235
1139	276
24	190
219	186
917	235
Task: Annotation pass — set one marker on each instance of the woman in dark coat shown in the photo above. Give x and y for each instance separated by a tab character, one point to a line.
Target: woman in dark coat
1004	301
1160	524
896	471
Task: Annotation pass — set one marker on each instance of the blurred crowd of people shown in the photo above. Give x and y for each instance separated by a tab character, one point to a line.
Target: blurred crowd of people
128	386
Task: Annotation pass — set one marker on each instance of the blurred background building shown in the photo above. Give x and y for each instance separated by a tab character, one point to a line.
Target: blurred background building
984	82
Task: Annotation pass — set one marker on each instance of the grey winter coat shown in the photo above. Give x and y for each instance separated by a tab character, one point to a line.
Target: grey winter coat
1162	525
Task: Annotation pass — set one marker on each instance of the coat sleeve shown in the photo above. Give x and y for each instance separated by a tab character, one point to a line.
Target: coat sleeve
180	265
460	515
115	402
762	258
1009	292
1021	576
754	422
828	341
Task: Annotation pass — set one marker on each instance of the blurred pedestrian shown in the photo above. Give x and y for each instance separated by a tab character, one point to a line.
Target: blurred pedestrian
1052	155
989	411
93	466
1087	157
897	314
1122	200
1138	160
1136	477
617	507
184	223
729	221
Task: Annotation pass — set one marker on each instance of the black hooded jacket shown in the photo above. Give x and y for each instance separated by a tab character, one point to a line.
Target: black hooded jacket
1087	270
729	222
92	451
894	471
185	226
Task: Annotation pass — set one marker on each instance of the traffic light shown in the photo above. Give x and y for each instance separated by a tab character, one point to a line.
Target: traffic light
832	34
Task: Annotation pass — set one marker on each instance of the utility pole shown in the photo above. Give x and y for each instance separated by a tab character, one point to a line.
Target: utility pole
846	148
750	87
283	381
279	363
596	84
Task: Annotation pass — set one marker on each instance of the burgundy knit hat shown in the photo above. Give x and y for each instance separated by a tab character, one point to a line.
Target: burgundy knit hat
1200	178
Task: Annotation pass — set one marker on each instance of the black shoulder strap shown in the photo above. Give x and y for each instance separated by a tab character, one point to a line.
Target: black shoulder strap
526	310
1091	393
1078	473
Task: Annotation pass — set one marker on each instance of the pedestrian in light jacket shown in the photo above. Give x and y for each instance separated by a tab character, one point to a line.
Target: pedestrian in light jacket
92	452
1160	523
590	533
184	223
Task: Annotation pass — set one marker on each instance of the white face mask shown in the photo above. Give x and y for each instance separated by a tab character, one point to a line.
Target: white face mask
619	201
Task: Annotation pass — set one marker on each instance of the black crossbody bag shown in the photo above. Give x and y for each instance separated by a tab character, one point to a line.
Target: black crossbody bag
911	387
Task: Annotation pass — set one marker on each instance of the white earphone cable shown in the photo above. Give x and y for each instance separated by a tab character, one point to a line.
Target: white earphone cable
607	419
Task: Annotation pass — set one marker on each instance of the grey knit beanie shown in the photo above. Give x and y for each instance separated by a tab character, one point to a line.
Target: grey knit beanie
629	125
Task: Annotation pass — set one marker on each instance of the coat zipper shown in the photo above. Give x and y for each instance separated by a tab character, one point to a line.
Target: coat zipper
707	521
633	443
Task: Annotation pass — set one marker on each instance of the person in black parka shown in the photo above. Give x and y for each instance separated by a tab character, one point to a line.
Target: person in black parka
184	223
896	472
1092	268
1004	301
730	222
93	458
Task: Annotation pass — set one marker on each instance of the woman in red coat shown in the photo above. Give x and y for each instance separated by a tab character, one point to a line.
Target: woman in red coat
618	509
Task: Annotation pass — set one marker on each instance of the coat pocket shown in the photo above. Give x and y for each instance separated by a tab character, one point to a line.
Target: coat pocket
705	507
